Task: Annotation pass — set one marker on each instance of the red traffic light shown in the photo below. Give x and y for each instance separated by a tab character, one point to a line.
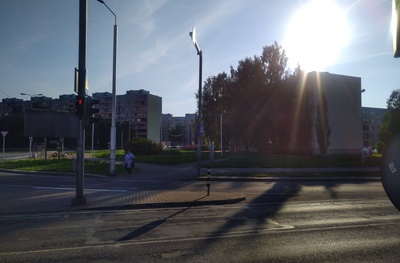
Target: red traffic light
79	106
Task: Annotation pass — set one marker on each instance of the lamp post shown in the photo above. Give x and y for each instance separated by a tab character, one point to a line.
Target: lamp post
113	100
199	128
34	95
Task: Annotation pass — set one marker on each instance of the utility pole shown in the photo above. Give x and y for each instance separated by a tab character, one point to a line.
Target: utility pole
80	149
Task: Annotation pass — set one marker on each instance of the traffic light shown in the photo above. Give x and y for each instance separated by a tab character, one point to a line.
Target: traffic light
79	106
91	110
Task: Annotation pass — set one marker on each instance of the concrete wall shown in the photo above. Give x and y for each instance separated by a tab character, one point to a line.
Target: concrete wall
343	95
154	113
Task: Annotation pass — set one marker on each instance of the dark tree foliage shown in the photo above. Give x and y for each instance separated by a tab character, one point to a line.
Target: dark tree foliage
214	105
262	105
391	120
143	146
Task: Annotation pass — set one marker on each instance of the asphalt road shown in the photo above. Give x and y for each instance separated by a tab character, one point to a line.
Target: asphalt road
280	221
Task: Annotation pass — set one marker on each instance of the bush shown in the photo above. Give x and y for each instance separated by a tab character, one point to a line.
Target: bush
380	146
143	146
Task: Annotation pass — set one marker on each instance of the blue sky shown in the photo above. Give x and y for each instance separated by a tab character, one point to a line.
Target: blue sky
39	45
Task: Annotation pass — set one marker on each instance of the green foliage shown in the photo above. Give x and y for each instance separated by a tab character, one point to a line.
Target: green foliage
294	161
380	146
106	153
61	166
258	104
143	146
391	120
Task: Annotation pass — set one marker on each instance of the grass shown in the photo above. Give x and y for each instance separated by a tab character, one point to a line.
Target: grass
168	157
269	161
61	166
174	157
303	174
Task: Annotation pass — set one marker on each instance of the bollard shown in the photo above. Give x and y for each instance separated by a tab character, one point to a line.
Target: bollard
208	178
209	167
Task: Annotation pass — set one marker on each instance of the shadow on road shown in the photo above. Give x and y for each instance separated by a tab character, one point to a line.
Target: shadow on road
150	226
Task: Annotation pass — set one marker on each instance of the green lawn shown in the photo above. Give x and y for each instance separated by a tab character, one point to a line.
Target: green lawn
61	166
100	164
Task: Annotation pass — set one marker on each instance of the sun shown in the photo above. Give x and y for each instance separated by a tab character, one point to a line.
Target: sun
316	35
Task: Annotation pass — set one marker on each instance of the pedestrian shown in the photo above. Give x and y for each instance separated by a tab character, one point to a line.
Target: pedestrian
129	161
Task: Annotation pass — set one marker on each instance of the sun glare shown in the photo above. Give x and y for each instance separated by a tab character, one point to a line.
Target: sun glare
316	35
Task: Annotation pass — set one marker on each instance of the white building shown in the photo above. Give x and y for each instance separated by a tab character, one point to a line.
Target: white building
343	98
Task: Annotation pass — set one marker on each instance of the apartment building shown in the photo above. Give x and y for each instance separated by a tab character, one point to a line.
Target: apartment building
186	126
371	122
140	109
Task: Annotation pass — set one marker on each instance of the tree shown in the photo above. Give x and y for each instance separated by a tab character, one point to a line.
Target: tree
246	103
258	102
214	104
391	120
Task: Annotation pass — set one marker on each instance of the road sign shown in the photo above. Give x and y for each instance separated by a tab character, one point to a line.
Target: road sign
4	133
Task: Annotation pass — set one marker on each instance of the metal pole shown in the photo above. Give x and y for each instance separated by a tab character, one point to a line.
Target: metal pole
79	198
221	131
113	103
92	138
4	147
200	53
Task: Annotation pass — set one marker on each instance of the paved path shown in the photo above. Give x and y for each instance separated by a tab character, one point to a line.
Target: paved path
23	200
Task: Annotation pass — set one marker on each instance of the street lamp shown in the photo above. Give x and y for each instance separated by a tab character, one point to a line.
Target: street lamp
34	95
113	100
199	128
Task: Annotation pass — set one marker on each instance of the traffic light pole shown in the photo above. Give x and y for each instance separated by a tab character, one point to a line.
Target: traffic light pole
79	198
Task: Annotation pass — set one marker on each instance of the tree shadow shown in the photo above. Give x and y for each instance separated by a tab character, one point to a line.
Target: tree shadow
150	226
277	196
273	199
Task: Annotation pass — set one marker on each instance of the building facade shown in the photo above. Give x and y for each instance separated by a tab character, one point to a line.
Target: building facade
140	109
343	109
371	122
178	131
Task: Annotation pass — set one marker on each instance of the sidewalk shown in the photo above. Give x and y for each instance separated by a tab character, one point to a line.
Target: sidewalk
25	199
53	200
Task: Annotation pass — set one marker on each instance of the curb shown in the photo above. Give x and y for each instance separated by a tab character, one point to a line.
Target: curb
166	204
288	178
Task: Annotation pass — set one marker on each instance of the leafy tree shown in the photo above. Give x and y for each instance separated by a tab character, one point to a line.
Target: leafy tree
258	102
214	104
391	120
246	104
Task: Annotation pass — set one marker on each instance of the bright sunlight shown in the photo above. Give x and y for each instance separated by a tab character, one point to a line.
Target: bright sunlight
316	35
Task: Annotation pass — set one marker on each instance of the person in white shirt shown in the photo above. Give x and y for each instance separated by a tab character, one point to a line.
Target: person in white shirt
129	161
